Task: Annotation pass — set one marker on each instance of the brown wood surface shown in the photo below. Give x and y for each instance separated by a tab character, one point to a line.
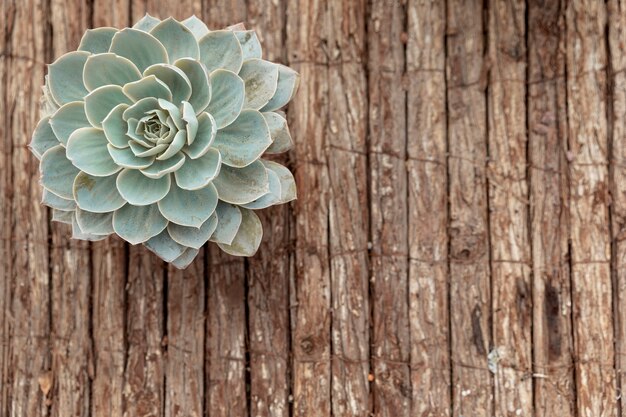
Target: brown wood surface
456	248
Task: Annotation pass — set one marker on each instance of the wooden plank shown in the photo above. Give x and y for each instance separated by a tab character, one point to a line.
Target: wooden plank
180	9
589	221
428	211
511	355
549	195
617	65
470	286
27	287
114	13
346	151
390	345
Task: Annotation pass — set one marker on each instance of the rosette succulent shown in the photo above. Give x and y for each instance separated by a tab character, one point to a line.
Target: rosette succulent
156	133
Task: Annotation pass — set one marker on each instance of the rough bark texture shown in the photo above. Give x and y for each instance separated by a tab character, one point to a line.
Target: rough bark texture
456	249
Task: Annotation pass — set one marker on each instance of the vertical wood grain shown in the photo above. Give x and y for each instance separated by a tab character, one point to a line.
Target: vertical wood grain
5	222
549	199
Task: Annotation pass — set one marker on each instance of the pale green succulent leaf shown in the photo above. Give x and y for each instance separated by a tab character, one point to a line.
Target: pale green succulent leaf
98	40
87	149
200	86
140	47
100	102
174	113
261	80
69	118
149	86
63	216
250	44
184	260
97	194
288	81
287	181
242	185
165	247
196	26
228	97
244	141
143	152
43	138
78	233
65	77
248	237
131	133
220	49
269	199
175	79
188	208
109	69
279	131
139	109
191	122
47	103
229	220
125	157
174	147
198	173
57	172
115	127
146	23
137	224
160	168
54	201
193	237
178	40
204	137
95	223
140	190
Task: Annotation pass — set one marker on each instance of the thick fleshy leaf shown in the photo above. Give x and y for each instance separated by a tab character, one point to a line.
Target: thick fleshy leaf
132	133
204	137
165	247
67	119
250	44
43	138
149	86
78	233
87	149
57	172
97	41
178	40
174	113
48	104
97	194
109	69
140	190
140	108
126	158
184	260
100	102
191	122
160	168
95	223
189	208
245	140
143	152
221	49
137	224
248	237
242	185
140	47
176	145
175	79
193	237
229	220
196	26
65	77
62	216
261	79
269	199
287	182
146	23
279	131
54	201
115	127
199	79
228	97
198	173
288	81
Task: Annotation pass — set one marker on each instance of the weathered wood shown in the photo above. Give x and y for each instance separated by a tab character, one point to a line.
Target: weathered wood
589	221
470	286
549	199
5	225
390	345
428	212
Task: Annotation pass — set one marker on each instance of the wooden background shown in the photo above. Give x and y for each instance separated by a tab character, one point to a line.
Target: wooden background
458	247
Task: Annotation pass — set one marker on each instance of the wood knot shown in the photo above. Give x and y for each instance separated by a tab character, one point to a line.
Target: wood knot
307	345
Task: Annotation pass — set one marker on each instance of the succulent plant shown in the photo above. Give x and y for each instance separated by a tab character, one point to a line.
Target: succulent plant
156	133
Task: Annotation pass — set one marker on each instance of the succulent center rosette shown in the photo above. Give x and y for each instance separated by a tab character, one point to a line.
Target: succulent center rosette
156	133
